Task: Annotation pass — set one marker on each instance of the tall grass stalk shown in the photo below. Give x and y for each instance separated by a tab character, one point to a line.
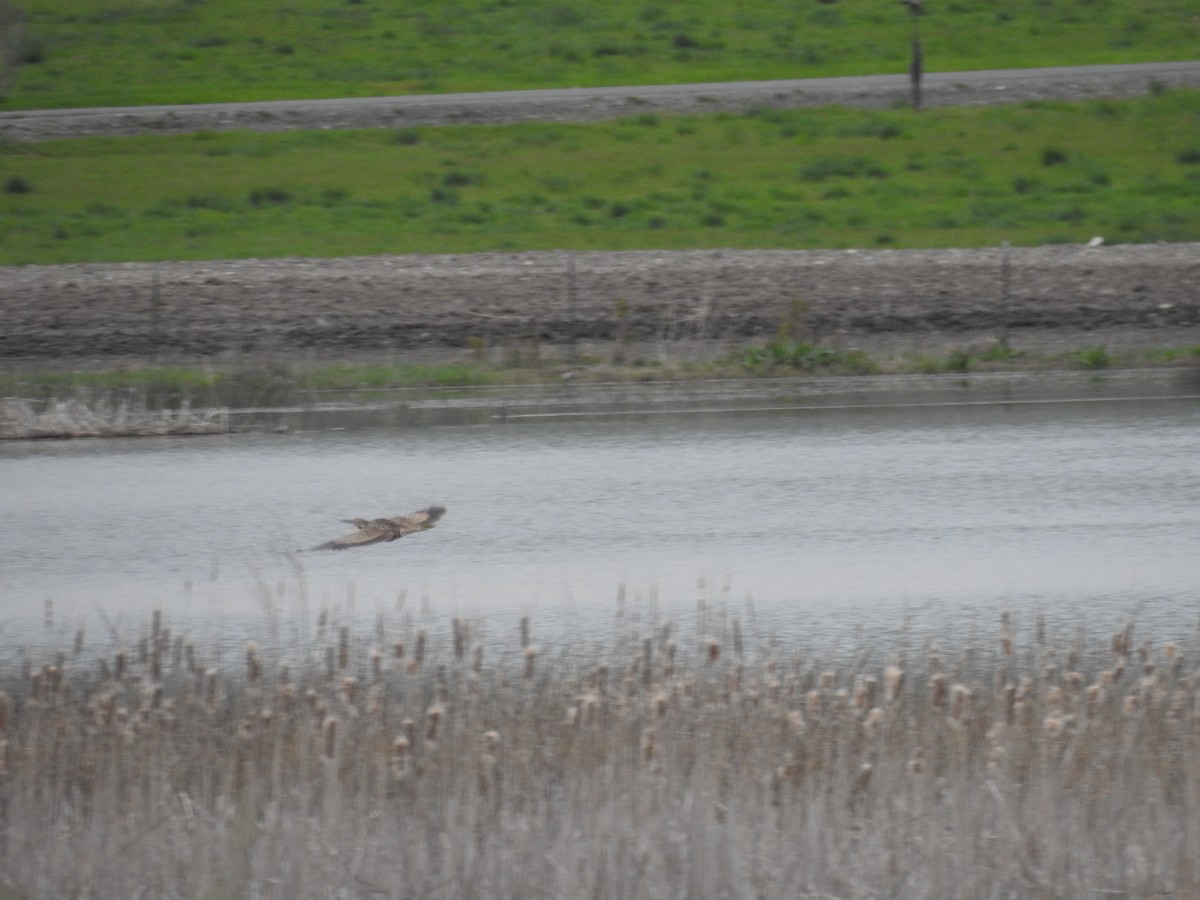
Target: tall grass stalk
667	765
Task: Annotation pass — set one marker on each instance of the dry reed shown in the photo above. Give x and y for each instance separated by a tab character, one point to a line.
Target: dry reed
664	766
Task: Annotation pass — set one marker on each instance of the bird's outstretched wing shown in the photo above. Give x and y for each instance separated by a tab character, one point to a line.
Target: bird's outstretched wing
374	531
421	520
370	533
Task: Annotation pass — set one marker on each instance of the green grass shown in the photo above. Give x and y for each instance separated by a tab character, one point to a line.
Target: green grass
97	53
167	387
1032	174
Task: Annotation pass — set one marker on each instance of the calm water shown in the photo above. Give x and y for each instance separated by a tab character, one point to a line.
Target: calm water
812	522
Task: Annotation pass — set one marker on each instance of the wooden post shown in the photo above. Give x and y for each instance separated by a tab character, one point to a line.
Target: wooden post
916	65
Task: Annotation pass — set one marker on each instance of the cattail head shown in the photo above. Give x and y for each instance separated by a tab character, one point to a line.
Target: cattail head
531	653
873	722
863	779
435	715
893	683
649	745
939	690
712	648
349	689
253	663
916	765
329	733
960	698
491	742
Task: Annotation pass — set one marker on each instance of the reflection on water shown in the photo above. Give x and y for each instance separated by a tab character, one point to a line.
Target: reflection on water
829	519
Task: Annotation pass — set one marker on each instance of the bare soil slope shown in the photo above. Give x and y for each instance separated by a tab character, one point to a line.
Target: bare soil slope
1067	296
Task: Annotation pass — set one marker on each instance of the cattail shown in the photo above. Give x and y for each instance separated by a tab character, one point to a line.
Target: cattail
893	683
531	653
524	632
1053	725
661	701
649	745
461	633
713	648
398	650
419	650
873	721
349	689
245	729
812	702
827	680
210	687
960	698
862	780
119	665
939	690
5	709
477	659
435	714
343	648
916	765
253	663
329	732
400	757
996	758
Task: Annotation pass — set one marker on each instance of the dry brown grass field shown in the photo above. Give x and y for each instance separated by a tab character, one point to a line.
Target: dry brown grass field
664	761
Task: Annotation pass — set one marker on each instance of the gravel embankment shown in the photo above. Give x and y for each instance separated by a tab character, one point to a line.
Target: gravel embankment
1059	296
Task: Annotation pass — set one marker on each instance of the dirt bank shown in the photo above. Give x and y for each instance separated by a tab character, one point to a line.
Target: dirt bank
393	306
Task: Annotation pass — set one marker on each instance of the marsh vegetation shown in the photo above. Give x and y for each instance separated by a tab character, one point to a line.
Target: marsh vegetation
700	759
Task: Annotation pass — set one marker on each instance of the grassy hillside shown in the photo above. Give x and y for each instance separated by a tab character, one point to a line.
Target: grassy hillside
1031	174
101	52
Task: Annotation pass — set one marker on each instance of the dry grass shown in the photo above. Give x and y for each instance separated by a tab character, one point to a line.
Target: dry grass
417	764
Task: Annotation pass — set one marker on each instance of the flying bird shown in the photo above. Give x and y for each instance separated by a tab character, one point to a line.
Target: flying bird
374	531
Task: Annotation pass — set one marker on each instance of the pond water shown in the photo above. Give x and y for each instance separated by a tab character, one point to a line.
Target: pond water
813	522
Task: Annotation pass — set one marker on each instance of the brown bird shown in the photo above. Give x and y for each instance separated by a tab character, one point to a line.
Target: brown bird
374	531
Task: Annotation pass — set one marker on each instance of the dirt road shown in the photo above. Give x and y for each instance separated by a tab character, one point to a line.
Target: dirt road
592	104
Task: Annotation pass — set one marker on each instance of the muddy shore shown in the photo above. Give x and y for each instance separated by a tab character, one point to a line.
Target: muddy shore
393	307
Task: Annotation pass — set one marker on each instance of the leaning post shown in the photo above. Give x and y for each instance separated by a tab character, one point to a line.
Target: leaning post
915	11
